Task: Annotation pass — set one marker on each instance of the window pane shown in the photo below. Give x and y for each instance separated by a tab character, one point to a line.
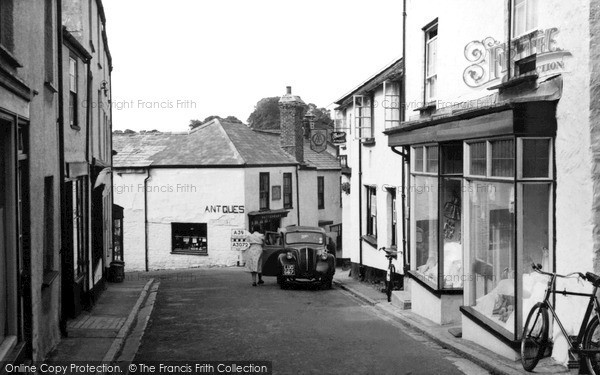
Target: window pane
536	240
503	158
478	153
519	18
450	228
536	154
418	159
431	87
432	158
491	236
452	158
431	57
425	214
532	19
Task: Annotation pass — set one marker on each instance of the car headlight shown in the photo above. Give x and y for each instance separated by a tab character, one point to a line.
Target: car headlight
289	255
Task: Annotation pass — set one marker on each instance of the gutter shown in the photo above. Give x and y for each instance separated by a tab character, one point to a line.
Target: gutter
146	219
361	270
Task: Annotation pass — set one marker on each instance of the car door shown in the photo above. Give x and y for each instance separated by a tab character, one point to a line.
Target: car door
271	250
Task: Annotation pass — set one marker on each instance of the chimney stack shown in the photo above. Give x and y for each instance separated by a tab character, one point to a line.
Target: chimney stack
292	134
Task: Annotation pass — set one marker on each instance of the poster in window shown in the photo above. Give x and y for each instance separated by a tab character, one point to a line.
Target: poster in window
276	192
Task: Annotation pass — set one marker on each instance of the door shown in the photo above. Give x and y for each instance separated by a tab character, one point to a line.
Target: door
273	246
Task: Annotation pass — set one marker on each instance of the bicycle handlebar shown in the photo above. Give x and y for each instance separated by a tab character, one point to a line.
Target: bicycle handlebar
538	268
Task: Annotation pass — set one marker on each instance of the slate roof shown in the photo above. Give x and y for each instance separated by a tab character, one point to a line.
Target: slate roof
217	143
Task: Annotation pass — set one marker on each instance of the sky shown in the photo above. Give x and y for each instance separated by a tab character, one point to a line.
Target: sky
188	59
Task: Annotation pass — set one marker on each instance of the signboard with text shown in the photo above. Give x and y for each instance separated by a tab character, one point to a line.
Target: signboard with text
238	239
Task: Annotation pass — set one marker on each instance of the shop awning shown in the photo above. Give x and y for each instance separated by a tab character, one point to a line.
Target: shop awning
527	119
269	214
524	112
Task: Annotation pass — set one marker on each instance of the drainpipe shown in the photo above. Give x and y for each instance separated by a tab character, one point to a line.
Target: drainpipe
61	163
509	42
405	216
361	270
146	217
297	195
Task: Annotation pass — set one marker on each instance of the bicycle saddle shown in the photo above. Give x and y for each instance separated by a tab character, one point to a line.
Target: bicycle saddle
593	278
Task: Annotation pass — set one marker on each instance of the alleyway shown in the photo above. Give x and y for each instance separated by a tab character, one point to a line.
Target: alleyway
215	314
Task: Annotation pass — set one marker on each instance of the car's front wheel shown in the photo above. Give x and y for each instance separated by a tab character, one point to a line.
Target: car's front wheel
282	282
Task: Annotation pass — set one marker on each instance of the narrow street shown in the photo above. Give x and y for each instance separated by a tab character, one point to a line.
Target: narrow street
215	314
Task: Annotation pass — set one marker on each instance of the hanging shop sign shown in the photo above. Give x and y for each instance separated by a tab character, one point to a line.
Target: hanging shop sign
338	137
488	63
318	140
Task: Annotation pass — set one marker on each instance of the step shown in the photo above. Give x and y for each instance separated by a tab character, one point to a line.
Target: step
401	299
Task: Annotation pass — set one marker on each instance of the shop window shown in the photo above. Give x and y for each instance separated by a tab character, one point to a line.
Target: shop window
418	158
424	191
503	158
287	190
321	192
431	63
363	106
189	238
536	156
477	161
391	104
264	190
509	227
371	211
525	16
431	159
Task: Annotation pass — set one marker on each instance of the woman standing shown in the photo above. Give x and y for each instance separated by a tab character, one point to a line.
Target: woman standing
254	254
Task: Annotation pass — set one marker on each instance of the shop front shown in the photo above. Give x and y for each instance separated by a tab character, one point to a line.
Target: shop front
481	212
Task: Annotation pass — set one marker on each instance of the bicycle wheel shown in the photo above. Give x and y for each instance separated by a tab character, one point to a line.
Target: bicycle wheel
535	337
591	341
389	282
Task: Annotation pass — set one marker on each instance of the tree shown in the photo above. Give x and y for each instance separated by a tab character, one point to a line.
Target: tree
128	131
196	123
265	114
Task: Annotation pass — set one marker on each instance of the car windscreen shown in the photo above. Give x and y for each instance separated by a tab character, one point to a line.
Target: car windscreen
304	237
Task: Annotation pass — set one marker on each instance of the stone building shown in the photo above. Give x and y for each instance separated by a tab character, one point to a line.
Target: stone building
183	194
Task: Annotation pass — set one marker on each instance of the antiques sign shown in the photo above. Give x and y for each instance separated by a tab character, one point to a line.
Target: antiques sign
318	140
238	239
488	56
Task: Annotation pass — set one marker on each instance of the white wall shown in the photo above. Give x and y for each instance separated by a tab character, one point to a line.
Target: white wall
381	168
182	196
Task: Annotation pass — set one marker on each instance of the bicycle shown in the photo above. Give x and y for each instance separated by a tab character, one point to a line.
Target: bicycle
389	277
535	333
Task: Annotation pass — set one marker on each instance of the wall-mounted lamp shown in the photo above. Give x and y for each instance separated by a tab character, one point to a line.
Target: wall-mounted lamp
104	87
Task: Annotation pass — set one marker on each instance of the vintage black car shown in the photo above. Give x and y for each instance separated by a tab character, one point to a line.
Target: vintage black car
298	255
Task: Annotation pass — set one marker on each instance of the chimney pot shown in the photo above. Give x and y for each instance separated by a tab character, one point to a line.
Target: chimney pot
288	90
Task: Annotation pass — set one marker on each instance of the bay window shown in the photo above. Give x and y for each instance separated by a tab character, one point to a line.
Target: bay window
508	219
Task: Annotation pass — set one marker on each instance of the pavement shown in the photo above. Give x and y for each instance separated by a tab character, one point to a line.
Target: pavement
98	336
113	329
371	293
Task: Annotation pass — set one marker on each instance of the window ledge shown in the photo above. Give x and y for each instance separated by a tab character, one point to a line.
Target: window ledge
50	86
9	57
515	81
368	142
421	279
188	252
500	333
370	240
429	106
49	278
